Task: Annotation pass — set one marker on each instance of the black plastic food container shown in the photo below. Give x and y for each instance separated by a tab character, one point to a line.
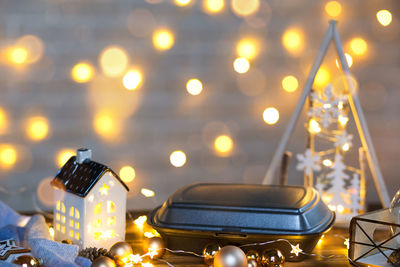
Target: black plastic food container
239	214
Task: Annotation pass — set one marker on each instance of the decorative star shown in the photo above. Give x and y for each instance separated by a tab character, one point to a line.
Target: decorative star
104	190
135	258
152	252
296	249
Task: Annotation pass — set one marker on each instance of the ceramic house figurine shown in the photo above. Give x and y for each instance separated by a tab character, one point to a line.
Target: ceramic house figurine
90	203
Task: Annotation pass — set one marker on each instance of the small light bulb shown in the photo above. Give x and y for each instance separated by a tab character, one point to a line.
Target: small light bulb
313	127
346	147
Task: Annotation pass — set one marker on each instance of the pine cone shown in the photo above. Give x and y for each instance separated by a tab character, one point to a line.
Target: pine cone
94	253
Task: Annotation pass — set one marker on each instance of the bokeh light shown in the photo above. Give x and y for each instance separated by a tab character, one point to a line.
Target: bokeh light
18	55
245	7
147	192
194	86
132	79
64	155
223	145
3	121
163	39
323	77
127	174
248	48
327	163
313	126
177	158
106	125
37	128
293	40
241	65
271	115
349	60
113	61
384	17
8	156
358	46
182	2
82	72
333	9
213	6
45	192
290	83
34	47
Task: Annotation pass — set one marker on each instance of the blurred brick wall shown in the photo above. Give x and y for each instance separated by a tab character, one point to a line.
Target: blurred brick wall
163	117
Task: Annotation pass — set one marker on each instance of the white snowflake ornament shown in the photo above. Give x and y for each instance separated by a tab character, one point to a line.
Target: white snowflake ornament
308	162
343	139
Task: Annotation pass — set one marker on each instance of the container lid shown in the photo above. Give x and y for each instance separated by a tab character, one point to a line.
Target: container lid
257	209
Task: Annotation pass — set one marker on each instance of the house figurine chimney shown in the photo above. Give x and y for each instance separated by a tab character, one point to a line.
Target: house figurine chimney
83	154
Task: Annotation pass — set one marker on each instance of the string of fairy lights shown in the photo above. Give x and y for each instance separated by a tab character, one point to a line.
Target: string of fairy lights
114	62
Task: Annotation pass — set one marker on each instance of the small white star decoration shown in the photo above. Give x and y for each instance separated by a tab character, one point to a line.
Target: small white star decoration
296	249
308	162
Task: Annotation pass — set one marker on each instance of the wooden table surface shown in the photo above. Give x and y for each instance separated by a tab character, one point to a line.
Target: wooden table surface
332	245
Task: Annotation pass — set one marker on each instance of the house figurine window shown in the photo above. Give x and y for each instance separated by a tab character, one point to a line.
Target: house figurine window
89	194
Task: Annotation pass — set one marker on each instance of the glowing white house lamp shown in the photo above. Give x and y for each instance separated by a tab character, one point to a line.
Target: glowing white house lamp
90	203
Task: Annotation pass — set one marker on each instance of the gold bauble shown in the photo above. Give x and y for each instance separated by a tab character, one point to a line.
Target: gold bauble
209	252
155	244
272	258
230	256
103	261
26	261
120	250
252	263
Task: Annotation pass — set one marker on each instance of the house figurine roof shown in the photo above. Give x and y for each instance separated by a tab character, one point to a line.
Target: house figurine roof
79	175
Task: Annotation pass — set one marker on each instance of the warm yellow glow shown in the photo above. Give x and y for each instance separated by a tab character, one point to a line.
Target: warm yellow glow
71	212
384	17
333	9
37	128
110	206
241	65
322	78
177	158
18	55
358	46
64	155
296	249
332	207
223	145
8	156
340	208
346	147
343	120
77	235
63	219
213	6
153	250
271	115
58	227
63	229
127	174
135	258
194	86
290	83
97	223
104	190
113	61
293	40
58	216
97	209
182	2
349	60
71	223
247	48
140	221
347	243
105	125
149	234
163	39
104	235
3	121
58	205
313	127
245	7
320	241
77	225
147	264
62	207
327	162
51	231
147	192
82	72
132	79
77	215
111	220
